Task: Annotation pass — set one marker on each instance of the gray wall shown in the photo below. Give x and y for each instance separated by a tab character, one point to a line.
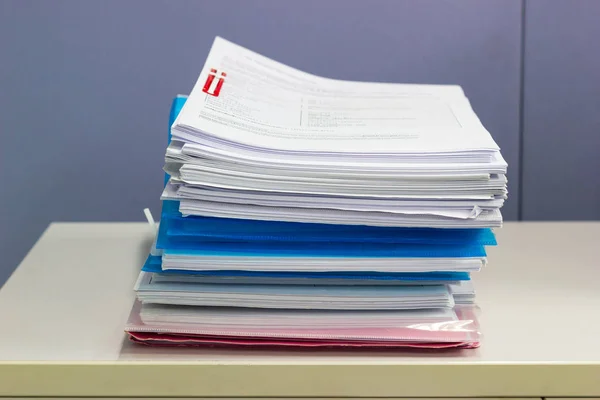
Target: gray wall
85	81
561	136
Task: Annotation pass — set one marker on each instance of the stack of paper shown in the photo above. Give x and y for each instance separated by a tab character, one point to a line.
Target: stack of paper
274	143
182	292
293	199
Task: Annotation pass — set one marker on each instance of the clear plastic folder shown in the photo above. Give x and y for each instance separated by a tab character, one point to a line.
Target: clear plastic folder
190	326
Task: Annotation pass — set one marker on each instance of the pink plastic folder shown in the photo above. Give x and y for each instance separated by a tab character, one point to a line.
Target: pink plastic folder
167	340
460	330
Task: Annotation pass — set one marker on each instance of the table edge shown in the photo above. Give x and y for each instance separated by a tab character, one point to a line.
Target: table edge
221	379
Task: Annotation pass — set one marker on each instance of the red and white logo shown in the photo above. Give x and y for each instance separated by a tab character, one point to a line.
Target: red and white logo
213	85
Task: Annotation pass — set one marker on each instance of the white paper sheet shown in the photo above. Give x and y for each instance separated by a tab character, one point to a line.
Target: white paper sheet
232	318
483	219
265	106
171	261
294	296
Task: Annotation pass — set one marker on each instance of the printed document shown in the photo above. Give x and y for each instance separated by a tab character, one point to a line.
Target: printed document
245	100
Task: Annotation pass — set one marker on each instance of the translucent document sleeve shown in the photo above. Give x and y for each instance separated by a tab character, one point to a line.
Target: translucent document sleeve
176	325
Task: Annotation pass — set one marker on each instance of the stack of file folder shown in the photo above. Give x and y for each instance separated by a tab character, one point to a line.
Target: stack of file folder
303	211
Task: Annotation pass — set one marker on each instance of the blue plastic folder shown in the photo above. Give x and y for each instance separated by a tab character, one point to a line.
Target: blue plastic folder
317	240
178	231
153	264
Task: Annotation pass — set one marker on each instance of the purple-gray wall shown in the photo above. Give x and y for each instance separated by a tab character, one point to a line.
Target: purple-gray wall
82	82
561	135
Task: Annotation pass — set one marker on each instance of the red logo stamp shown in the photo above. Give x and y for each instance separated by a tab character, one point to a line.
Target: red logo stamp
213	86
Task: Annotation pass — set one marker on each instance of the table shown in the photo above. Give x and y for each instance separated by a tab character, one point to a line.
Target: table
62	314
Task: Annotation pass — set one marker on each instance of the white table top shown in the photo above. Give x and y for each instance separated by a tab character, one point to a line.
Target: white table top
62	315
